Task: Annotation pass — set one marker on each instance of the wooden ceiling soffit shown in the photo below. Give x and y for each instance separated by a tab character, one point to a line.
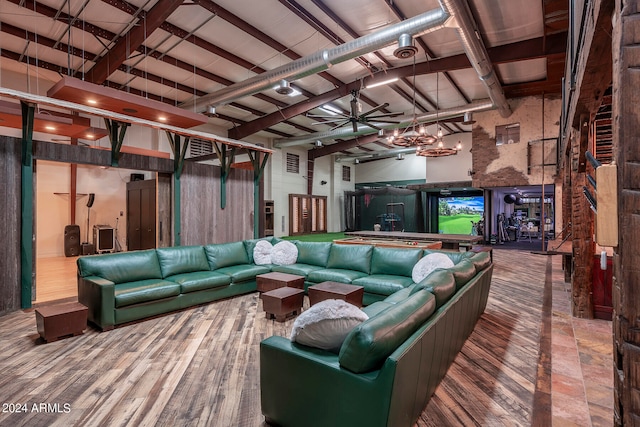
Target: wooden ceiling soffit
131	41
519	51
71	106
106	98
51	122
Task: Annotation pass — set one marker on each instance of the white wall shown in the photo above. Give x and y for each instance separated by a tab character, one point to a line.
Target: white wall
53	211
451	168
391	169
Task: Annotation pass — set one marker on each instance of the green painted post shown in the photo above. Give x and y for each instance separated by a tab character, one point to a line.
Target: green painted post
176	210
26	241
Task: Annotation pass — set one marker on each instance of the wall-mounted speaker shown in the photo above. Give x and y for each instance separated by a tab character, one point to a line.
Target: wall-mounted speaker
72	240
137	177
92	197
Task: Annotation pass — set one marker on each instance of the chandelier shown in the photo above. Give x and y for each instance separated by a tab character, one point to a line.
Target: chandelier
425	150
414	135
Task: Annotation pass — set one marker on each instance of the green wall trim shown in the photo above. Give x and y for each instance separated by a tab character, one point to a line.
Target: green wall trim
258	169
117	130
26	240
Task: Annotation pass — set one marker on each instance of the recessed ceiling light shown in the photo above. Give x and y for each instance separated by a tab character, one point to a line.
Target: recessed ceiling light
92	101
49	127
90	136
162	118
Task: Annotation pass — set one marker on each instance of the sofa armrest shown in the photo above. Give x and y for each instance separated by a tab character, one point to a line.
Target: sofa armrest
301	385
98	295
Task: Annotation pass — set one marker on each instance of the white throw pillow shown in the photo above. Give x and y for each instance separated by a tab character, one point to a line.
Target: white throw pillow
284	253
326	324
262	252
426	265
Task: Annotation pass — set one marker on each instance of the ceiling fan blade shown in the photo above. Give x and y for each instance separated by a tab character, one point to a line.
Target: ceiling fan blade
371	125
386	121
321	116
385	115
328	122
339	125
375	109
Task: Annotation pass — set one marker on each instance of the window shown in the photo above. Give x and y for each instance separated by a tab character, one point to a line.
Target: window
508	134
293	163
346	173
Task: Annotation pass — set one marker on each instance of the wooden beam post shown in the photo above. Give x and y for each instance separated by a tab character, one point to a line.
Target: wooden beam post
626	257
582	227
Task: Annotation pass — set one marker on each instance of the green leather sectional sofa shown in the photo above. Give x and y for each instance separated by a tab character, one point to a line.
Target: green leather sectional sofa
389	366
123	287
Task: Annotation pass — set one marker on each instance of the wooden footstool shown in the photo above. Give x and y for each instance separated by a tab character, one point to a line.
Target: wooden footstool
270	281
334	290
61	320
282	303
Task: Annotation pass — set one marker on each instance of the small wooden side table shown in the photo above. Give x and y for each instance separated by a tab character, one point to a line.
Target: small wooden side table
61	320
270	281
335	290
282	303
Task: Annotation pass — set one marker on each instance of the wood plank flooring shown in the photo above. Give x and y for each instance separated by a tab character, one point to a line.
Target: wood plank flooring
200	366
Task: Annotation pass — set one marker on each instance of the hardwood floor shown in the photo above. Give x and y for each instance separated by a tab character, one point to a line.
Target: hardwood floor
200	366
56	279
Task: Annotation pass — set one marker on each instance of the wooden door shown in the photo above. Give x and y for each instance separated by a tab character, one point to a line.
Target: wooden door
141	215
307	214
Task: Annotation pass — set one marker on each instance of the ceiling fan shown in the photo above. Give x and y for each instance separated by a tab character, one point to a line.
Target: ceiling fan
356	116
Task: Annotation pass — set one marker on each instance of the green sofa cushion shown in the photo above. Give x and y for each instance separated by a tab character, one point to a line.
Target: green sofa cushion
370	343
440	283
375	308
182	259
226	254
463	272
200	280
250	245
140	291
481	260
298	269
383	284
334	275
398	262
121	267
350	257
400	295
313	253
242	273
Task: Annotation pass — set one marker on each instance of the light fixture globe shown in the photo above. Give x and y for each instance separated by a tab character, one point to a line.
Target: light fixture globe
284	88
405	49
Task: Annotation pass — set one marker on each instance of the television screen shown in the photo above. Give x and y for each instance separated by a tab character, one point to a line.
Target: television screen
457	215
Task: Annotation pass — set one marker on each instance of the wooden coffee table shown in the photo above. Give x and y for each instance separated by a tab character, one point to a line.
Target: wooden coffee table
270	281
282	303
61	320
334	290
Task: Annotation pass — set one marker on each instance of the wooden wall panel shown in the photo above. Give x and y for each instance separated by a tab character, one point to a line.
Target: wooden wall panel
91	156
202	220
10	224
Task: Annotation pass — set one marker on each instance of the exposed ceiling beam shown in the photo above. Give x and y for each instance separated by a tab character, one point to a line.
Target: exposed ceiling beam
519	51
130	42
